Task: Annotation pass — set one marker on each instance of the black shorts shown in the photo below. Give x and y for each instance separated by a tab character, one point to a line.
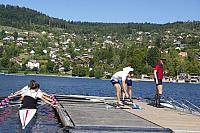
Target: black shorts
129	82
114	82
159	81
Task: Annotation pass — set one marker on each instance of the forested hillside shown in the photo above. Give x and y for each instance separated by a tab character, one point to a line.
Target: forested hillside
94	49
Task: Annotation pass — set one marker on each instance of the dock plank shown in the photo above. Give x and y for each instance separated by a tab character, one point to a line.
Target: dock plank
176	120
97	117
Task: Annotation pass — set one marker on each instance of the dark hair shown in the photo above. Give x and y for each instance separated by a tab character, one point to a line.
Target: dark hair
32	82
129	65
131	72
37	85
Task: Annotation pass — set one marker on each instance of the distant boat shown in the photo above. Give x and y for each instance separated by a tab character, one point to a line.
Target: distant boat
181	81
194	78
187	80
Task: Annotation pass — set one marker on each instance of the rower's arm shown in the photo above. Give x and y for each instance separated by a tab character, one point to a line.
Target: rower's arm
155	75
124	88
18	93
45	94
47	97
47	100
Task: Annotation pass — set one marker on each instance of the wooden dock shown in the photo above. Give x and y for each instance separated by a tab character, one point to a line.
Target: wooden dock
81	114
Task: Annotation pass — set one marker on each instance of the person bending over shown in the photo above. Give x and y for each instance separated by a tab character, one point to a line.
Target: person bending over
115	80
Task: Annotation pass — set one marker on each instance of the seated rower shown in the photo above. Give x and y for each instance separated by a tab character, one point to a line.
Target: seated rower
29	96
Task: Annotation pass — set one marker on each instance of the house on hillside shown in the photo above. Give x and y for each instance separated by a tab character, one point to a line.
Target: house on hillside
20	39
32	52
33	64
179	45
44	51
19	60
8	38
183	54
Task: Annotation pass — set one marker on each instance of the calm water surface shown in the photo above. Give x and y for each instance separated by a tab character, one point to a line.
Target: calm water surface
46	120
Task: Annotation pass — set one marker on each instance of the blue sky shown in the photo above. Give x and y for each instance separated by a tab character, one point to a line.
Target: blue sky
115	11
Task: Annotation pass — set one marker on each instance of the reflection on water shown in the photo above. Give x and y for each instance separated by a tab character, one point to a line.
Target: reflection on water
45	121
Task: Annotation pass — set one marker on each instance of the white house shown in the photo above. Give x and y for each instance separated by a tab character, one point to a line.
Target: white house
20	39
43	32
8	38
44	51
32	52
33	64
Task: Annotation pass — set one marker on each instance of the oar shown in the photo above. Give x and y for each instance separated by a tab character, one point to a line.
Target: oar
3	97
8	101
4	102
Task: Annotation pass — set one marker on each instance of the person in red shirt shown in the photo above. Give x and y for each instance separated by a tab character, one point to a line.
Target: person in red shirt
158	74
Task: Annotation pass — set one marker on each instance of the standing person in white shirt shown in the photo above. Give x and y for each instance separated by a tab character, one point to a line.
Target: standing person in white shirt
121	75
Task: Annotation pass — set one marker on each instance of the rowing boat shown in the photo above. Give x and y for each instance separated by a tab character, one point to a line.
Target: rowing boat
26	116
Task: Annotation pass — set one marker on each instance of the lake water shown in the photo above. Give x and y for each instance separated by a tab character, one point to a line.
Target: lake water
46	119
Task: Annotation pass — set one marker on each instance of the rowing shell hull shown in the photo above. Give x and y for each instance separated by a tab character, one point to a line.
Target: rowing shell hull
167	105
26	115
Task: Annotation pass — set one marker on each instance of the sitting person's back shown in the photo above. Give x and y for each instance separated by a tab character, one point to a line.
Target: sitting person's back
31	96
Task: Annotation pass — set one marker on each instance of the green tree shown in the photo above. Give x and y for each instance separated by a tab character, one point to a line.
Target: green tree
75	70
138	60
98	71
158	42
194	67
83	71
2	34
50	66
15	35
1	51
66	65
43	68
173	63
153	54
13	67
147	70
5	61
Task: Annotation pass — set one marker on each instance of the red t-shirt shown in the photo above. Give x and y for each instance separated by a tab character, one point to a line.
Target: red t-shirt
159	69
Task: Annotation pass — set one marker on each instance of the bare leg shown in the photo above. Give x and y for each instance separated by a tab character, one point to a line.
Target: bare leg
130	92
156	96
160	89
159	93
118	92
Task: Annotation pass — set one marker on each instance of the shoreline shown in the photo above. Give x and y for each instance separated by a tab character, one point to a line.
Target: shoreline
47	75
69	76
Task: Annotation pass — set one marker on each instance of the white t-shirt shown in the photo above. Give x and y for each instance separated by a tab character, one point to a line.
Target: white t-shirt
25	89
33	93
120	75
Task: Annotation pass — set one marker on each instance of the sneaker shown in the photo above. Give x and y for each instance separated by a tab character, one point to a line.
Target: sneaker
117	107
120	103
130	100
